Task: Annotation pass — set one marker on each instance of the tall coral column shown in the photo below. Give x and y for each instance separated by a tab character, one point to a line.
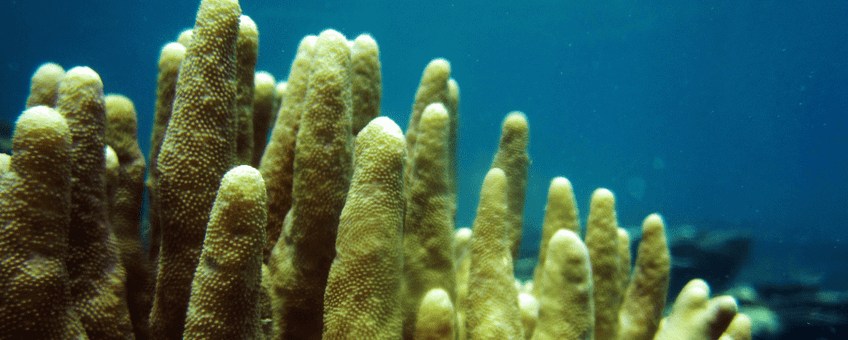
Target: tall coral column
322	168
97	276
363	290
225	291
35	299
198	148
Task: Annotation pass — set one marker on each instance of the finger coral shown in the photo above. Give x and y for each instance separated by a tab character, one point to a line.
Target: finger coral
362	298
35	300
492	300
430	206
98	279
301	261
225	292
197	149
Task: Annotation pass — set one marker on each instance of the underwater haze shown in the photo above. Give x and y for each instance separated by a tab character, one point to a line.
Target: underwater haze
719	114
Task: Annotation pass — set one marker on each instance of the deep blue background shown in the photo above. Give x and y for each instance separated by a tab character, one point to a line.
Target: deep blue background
718	113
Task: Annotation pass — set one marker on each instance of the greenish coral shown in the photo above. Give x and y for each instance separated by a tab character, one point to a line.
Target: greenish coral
35	301
197	149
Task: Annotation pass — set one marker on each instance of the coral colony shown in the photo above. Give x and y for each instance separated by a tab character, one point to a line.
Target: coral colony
341	227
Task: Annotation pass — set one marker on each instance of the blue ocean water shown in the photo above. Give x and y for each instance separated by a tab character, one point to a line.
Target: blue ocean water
721	114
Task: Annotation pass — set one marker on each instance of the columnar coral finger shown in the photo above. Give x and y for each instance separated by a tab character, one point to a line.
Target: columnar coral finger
428	255
277	164
462	262
44	86
263	104
322	170
602	242
697	317
624	258
197	150
452	104
125	209
226	288
492	298
35	302
362	298
366	81
247	50
125	204
566	306
170	59
97	275
432	89
436	317
560	213
513	159
644	300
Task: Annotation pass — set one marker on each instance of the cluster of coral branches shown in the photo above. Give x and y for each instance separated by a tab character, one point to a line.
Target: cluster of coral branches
340	226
